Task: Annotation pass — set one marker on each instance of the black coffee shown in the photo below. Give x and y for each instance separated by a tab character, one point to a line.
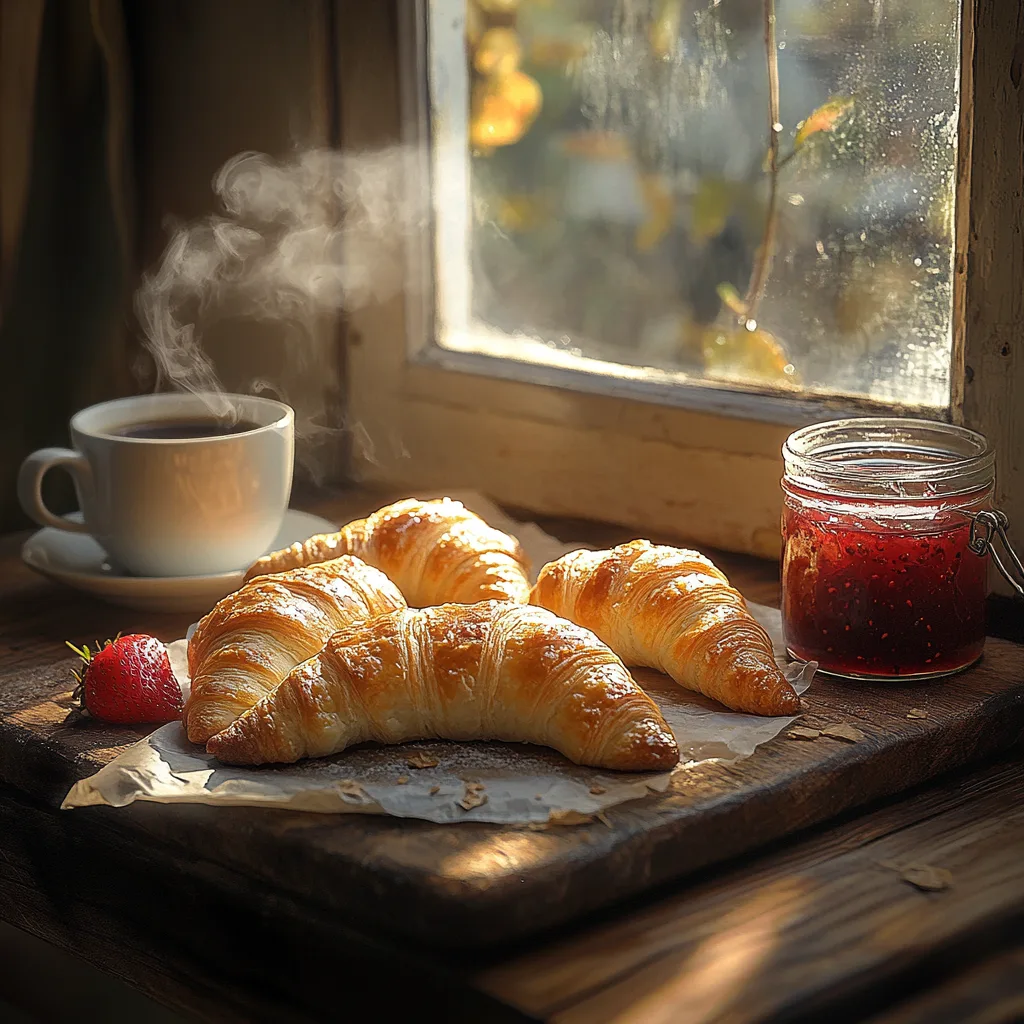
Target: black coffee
179	430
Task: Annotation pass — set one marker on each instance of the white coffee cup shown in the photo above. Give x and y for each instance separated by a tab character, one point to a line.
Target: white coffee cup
190	506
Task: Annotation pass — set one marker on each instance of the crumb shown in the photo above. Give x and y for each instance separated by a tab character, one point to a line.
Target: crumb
917	713
402	780
471	799
922	876
843	731
927	878
598	790
435	789
349	787
801	732
421	760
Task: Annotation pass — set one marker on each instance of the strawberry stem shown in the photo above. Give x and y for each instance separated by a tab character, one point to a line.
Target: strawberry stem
79	673
83	652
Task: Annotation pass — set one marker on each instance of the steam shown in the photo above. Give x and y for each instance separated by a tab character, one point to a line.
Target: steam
292	242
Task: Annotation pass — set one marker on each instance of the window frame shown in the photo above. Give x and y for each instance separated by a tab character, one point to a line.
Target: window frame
449	125
696	463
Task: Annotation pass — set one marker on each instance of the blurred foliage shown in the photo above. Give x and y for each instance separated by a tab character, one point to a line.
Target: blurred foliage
824	119
505	100
620	180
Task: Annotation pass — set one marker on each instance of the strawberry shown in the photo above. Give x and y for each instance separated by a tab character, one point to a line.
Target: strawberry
128	681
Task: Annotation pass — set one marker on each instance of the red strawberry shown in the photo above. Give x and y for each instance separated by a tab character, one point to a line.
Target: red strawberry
129	681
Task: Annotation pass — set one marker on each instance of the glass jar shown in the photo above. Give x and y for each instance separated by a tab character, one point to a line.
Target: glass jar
883	573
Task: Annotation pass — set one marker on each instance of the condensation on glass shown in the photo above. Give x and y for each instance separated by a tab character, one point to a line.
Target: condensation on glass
603	190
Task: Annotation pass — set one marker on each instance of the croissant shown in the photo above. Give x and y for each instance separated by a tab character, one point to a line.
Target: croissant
436	551
254	637
488	671
672	610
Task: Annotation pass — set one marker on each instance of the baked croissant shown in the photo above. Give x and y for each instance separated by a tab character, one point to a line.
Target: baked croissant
672	610
487	671
254	637
436	551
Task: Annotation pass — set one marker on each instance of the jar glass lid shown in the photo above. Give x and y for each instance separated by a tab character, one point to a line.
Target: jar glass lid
889	457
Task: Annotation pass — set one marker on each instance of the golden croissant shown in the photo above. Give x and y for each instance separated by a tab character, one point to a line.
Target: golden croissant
672	610
487	671
254	637
435	551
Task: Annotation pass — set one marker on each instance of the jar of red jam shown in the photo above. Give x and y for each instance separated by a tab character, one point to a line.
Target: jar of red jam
883	575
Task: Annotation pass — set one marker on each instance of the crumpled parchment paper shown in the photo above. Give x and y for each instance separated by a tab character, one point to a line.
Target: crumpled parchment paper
438	780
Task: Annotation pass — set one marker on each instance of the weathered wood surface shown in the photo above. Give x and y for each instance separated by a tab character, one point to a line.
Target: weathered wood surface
482	884
990	993
207	940
797	933
821	929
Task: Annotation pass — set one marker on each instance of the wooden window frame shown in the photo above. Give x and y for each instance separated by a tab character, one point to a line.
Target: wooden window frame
702	473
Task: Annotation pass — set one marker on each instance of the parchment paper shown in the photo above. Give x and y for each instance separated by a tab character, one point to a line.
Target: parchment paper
496	782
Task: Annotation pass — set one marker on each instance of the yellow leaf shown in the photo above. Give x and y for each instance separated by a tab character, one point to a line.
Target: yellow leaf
495	122
744	354
823	119
732	298
523	93
498	53
503	110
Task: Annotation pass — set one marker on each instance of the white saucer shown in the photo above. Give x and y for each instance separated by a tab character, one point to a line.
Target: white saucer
77	560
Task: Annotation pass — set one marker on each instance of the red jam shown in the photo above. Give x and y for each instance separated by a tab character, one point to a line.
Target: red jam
869	593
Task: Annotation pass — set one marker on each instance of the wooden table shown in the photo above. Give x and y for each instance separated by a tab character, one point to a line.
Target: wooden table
823	924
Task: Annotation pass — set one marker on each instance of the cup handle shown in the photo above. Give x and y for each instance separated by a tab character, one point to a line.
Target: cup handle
30	484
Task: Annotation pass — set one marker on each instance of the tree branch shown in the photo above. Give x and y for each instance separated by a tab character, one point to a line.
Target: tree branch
763	261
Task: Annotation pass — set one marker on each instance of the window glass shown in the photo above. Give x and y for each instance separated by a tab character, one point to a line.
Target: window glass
624	213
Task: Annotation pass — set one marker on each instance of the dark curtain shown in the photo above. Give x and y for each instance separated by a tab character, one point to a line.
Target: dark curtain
66	225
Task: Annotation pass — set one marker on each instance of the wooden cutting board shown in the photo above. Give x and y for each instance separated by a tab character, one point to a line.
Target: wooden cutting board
472	885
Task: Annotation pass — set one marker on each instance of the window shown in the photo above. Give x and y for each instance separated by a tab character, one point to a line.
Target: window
558	344
619	192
